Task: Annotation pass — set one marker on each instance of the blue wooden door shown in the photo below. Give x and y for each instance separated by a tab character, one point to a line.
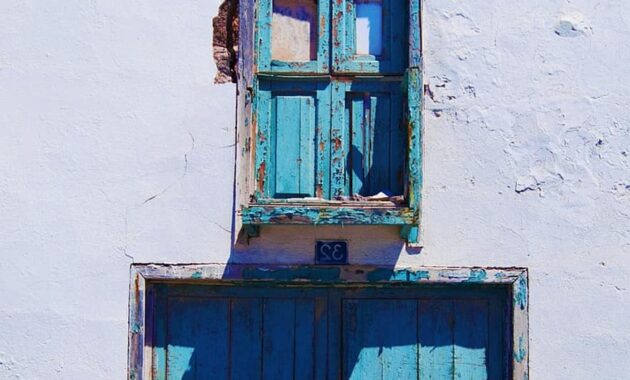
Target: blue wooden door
210	332
254	332
422	334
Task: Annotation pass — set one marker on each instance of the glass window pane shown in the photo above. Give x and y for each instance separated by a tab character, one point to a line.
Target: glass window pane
369	27
294	30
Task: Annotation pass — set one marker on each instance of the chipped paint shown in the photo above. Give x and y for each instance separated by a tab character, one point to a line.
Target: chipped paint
477	275
398	275
520	351
520	296
332	178
326	215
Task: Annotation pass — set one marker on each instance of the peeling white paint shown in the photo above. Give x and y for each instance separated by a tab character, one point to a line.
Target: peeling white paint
116	147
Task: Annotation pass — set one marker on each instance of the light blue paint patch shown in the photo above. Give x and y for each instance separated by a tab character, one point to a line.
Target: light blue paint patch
135	328
520	296
398	275
477	275
419	275
499	275
519	354
196	276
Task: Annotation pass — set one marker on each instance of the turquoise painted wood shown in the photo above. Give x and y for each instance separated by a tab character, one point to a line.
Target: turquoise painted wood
372	346
377	145
367	124
392	59
293	139
352	332
188	356
247	316
264	35
436	335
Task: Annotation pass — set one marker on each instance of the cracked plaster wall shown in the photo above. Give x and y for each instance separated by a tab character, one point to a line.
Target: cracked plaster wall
117	148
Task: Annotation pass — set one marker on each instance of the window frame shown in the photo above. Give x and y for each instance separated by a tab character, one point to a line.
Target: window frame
255	66
142	297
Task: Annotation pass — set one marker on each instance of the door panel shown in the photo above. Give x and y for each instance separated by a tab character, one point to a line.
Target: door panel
205	332
371	334
255	332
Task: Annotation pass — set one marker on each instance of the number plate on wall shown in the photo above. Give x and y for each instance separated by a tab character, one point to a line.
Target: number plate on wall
331	252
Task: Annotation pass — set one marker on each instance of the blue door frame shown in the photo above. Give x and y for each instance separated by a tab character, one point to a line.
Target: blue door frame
327	323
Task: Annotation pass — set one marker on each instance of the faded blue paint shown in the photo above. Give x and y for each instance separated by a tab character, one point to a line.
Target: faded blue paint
382	274
135	328
326	215
196	276
375	143
477	275
310	332
499	275
519	351
520	294
333	151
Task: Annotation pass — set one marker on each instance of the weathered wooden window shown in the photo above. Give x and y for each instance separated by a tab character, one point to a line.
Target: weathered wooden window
331	104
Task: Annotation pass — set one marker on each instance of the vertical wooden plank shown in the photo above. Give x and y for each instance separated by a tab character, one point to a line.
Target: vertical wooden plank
413	87
278	339
304	339
397	143
334	335
415	34
197	338
497	338
246	118
323	51
380	339
356	126
321	319
323	107
380	143
287	145
338	139
520	323
306	159
264	13
398	35
436	339
263	110
160	339
471	339
245	342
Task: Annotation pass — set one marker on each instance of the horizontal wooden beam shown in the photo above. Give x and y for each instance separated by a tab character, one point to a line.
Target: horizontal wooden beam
265	214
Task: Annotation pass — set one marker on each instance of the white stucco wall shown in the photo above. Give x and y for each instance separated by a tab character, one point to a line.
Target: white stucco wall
115	147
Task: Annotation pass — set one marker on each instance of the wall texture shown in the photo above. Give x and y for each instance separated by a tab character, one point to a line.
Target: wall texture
116	147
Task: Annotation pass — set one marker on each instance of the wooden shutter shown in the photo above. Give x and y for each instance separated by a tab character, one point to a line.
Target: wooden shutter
293	139
376	142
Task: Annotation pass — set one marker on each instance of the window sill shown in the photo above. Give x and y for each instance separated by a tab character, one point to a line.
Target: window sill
328	213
